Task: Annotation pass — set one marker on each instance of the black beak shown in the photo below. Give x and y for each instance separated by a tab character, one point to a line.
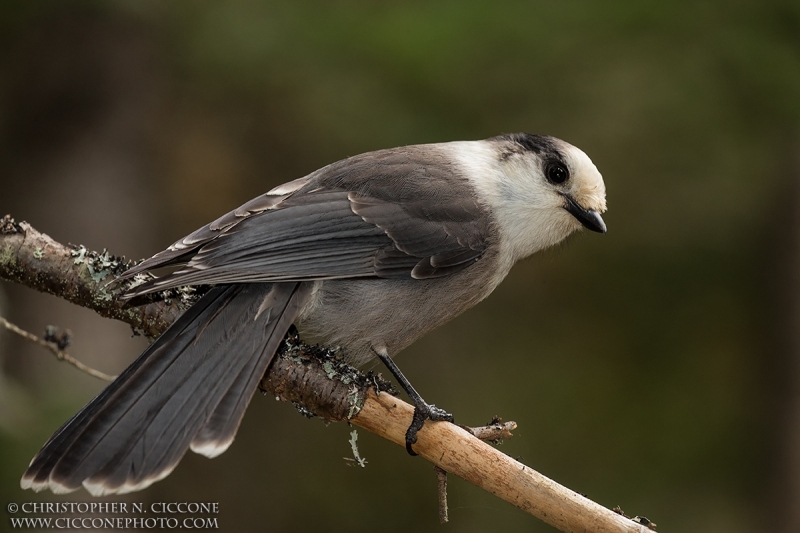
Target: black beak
590	218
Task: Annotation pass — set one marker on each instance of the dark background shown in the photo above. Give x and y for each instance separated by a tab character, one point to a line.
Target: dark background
655	367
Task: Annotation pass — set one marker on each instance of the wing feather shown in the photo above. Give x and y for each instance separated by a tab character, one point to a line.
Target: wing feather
399	213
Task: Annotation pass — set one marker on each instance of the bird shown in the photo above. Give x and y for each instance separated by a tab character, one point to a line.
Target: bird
367	254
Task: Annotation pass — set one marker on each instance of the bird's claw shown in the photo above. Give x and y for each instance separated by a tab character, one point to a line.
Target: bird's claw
423	412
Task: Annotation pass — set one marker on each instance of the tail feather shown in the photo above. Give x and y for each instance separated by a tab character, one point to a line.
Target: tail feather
36	476
190	388
220	428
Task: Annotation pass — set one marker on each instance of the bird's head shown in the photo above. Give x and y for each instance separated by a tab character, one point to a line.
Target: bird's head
540	190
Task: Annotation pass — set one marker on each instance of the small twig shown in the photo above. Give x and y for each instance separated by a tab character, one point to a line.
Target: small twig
495	431
643	520
441	477
60	354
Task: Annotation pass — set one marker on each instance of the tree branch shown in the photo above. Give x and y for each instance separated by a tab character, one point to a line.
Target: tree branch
77	275
60	354
313	379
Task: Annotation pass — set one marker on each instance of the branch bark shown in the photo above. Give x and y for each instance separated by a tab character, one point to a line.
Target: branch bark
314	380
77	275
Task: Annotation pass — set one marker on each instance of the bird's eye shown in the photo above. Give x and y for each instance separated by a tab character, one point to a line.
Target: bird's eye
557	173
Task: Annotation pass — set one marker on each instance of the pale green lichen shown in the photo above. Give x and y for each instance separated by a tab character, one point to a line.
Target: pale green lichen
79	254
304	410
356	401
97	275
138	279
98	267
291	351
7	256
38	253
329	369
360	461
105	260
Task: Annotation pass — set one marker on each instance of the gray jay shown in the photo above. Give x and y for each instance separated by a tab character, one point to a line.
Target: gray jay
367	254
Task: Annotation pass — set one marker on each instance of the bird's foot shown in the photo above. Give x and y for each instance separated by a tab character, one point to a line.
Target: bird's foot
422	412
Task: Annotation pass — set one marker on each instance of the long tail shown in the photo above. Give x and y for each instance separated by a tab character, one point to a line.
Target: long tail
189	389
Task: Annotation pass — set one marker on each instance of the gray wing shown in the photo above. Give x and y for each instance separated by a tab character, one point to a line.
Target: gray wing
400	213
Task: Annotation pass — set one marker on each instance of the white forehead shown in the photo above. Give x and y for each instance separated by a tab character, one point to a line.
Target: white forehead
587	187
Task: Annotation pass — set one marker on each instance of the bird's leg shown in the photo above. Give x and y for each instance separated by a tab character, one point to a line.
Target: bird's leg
422	410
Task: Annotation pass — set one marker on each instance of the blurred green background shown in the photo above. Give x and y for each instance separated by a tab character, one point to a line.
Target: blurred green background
656	367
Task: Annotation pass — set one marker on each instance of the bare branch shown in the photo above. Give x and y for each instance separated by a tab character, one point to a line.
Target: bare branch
458	452
61	355
316	381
